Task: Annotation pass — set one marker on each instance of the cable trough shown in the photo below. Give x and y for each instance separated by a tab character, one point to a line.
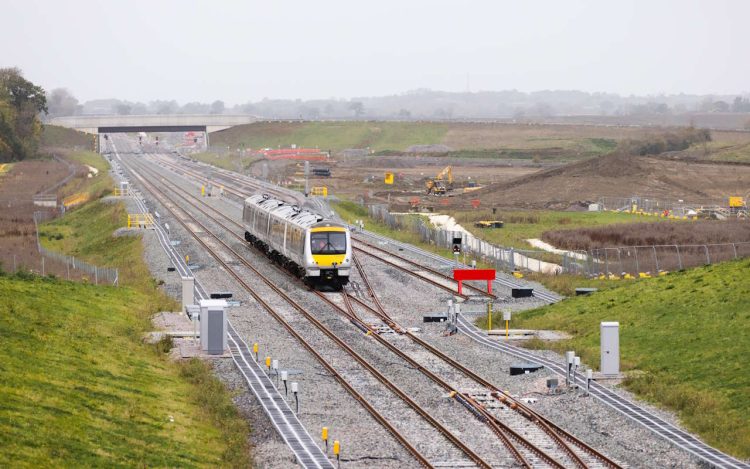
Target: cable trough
640	415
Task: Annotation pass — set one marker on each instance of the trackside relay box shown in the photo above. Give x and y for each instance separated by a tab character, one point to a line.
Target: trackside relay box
610	348
213	326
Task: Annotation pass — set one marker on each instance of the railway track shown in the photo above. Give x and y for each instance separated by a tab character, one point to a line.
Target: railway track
632	410
170	204
558	436
529	454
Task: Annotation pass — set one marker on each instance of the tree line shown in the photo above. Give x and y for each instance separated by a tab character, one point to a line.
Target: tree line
21	104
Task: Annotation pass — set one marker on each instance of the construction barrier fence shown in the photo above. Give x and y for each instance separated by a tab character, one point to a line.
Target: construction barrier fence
614	262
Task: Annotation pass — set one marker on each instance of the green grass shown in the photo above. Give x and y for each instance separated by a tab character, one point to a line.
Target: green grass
55	136
96	186
230	161
332	135
80	389
522	225
106	323
350	211
86	233
688	336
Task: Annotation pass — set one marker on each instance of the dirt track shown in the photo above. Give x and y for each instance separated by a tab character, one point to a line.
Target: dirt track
619	176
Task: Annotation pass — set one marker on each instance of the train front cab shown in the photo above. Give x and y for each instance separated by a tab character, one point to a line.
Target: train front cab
328	255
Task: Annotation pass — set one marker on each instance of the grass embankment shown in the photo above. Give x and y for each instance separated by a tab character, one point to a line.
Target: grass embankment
230	161
80	389
62	137
334	136
96	186
107	398
686	333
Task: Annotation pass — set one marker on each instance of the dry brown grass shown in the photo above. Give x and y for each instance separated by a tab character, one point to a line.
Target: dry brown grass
647	234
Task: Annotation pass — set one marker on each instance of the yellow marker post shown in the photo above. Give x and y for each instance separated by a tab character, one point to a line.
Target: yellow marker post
268	364
489	317
337	450
506	318
187	258
255	350
388	178
324	435
203	191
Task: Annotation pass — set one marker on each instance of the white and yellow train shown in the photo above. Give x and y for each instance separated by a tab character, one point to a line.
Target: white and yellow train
315	249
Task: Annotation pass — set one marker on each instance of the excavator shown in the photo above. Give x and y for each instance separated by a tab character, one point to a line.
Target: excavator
442	183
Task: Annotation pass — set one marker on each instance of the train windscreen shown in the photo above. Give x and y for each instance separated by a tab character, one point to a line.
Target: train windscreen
328	242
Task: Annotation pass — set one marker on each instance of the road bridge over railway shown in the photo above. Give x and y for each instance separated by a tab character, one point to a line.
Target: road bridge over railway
152	123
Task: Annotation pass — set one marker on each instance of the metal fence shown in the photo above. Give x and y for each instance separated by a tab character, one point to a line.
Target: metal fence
473	248
659	258
632	260
75	267
674	207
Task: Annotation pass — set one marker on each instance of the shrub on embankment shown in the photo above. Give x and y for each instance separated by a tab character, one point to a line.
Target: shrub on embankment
687	335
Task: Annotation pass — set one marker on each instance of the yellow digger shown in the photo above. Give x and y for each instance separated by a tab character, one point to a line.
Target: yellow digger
442	183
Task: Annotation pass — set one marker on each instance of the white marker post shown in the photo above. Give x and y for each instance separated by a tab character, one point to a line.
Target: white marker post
569	356
295	389
506	318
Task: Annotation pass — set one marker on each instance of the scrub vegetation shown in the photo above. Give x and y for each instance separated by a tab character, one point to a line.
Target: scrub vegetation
522	225
683	343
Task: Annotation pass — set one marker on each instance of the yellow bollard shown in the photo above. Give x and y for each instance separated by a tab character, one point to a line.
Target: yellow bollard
324	435
336	449
268	363
255	350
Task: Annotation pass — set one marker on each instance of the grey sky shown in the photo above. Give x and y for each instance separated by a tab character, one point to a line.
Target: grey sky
246	50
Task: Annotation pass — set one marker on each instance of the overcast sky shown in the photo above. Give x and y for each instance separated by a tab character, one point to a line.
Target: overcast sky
246	50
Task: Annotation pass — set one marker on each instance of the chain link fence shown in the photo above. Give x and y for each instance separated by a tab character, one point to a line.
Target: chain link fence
73	267
632	260
678	208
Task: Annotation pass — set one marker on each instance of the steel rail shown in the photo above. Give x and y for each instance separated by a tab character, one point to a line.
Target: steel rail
511	402
423	413
506	399
633	411
419	266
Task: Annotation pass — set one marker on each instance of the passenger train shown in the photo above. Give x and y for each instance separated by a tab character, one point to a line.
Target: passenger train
313	248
